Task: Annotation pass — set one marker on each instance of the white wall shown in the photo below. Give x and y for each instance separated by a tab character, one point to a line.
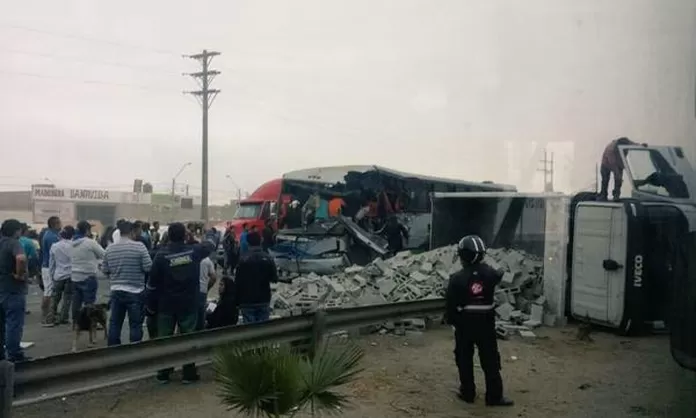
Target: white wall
20	215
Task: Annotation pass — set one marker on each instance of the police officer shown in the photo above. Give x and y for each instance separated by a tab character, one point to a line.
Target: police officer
172	292
470	310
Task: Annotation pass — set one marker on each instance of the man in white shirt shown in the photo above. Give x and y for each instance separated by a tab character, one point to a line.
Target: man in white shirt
116	235
60	269
207	280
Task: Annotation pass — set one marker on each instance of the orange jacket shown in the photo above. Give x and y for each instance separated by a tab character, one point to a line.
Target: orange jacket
335	206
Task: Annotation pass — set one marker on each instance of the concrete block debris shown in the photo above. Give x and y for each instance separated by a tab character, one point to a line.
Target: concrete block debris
527	334
537	313
504	311
416	276
501	332
530	323
411	323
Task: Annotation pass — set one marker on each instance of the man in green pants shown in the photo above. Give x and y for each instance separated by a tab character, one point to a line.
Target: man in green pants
172	291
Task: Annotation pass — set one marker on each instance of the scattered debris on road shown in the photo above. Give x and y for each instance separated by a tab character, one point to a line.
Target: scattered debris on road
408	276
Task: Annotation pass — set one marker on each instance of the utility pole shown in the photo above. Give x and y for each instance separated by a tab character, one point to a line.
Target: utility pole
206	97
547	169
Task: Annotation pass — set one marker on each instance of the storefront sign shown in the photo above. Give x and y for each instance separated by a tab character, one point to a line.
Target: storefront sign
65	211
88	195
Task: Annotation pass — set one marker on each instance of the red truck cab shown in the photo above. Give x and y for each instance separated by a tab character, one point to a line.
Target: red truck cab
257	208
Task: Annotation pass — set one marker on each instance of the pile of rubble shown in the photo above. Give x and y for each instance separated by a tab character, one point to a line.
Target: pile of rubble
408	276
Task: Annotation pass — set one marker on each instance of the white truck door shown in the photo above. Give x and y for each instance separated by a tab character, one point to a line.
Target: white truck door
597	290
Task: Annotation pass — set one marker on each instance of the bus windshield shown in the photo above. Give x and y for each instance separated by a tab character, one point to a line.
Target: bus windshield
248	211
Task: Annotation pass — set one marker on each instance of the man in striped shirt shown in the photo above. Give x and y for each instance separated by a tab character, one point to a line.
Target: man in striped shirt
126	262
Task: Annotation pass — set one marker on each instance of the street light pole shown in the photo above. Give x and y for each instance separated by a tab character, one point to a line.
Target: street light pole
239	190
178	173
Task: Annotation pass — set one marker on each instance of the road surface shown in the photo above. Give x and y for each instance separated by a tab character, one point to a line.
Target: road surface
551	376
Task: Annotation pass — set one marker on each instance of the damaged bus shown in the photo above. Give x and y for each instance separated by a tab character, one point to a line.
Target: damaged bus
356	202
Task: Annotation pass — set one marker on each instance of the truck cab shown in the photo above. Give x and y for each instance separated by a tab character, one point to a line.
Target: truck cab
632	262
625	262
256	209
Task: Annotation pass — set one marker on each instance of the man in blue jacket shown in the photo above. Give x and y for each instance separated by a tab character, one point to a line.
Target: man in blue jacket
50	237
29	249
243	243
172	289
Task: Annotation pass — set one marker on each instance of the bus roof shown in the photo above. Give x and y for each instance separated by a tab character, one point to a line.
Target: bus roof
335	174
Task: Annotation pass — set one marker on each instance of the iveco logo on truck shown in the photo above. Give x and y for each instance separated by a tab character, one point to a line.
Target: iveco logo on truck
638	271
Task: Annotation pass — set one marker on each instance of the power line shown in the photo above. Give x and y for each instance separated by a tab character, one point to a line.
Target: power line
206	96
90	39
85	61
78	81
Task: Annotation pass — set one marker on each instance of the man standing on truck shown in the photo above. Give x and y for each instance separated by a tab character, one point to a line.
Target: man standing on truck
612	164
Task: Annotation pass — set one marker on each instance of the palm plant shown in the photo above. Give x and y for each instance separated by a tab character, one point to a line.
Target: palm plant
263	380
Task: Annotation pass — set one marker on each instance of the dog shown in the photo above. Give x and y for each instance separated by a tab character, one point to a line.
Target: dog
90	316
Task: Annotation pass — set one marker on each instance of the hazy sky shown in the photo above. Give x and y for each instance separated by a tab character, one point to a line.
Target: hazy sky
91	90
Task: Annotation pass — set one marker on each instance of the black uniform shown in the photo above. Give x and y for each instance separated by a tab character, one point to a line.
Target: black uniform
395	233
268	239
172	295
231	253
293	218
226	312
470	309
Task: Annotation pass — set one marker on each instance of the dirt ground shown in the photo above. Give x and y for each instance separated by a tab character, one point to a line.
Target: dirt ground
551	376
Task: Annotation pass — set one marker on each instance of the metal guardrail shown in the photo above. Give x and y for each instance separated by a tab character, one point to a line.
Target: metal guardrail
71	373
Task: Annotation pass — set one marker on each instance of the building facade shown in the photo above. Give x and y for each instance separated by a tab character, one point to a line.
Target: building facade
102	207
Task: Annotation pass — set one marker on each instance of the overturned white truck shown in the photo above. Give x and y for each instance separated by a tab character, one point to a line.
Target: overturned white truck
627	264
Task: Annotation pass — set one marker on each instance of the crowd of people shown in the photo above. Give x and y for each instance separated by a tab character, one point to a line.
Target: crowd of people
160	281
